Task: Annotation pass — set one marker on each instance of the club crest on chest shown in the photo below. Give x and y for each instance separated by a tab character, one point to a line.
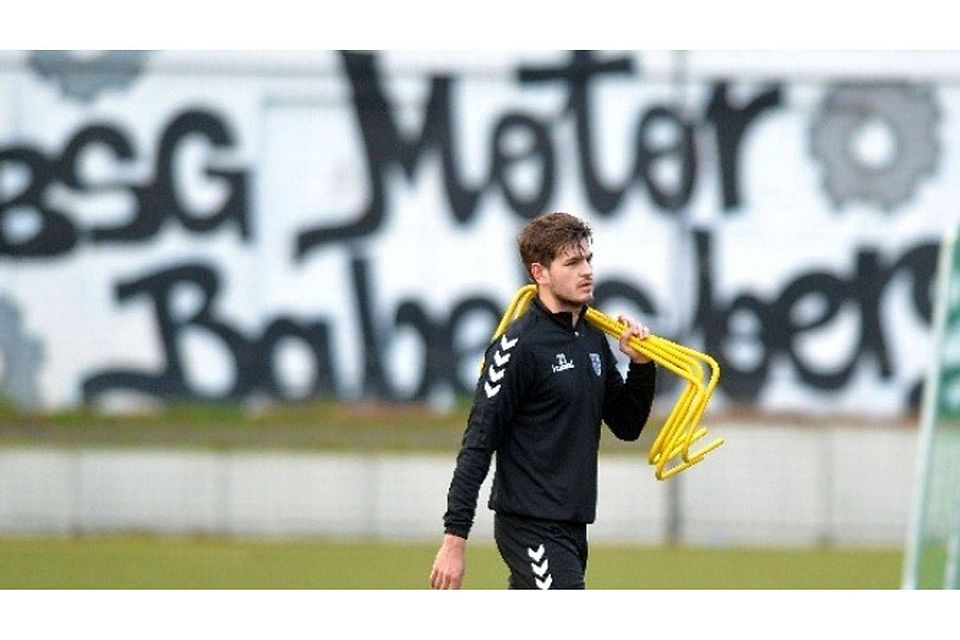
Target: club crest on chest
597	364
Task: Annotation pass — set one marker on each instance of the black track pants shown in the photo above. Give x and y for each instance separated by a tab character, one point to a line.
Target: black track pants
542	554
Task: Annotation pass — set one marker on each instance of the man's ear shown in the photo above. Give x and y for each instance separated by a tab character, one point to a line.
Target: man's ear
539	273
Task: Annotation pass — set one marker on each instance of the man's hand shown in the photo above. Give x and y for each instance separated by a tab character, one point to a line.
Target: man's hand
450	564
633	329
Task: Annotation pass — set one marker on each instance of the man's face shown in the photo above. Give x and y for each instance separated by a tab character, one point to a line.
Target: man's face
569	277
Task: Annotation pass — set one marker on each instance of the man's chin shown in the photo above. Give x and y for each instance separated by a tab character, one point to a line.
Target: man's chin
579	300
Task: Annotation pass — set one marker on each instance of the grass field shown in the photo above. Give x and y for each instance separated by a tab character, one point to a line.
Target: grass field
133	562
130	562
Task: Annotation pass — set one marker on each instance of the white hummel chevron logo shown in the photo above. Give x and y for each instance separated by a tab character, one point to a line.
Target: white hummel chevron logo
536	555
540	570
499	360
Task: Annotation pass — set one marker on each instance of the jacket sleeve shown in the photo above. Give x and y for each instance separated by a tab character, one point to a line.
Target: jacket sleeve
499	389
626	404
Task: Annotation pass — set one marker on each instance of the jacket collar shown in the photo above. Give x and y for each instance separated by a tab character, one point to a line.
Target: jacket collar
563	318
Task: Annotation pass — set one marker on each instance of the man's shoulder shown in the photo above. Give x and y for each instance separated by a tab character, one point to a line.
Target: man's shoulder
522	330
597	335
526	323
522	334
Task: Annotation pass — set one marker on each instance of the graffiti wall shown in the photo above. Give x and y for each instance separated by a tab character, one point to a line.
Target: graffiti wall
284	226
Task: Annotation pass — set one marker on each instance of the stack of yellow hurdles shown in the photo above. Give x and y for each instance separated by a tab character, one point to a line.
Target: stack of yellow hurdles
670	452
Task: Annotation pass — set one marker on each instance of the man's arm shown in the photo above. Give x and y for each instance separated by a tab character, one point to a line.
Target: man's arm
627	405
473	462
497	393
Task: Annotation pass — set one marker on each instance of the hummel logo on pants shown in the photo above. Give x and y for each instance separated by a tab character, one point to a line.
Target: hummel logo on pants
542	554
542	577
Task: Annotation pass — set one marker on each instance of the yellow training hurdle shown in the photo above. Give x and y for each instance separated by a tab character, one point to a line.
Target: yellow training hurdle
670	452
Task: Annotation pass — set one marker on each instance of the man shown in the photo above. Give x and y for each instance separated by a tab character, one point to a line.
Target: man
548	383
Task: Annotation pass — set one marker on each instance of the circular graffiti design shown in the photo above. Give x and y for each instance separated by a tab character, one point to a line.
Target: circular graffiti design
876	142
84	77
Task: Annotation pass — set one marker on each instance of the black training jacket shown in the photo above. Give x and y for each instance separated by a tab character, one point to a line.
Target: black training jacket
539	402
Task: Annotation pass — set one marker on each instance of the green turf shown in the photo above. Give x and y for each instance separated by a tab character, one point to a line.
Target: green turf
171	563
163	563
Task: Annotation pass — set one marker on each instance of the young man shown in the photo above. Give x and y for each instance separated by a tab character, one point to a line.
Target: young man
548	383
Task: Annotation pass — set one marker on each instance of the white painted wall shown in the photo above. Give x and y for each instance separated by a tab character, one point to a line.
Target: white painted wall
294	136
774	485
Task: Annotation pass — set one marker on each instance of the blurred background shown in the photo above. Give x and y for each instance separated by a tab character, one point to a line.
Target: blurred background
244	296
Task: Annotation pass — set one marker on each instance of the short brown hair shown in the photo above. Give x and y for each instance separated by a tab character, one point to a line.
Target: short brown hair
545	236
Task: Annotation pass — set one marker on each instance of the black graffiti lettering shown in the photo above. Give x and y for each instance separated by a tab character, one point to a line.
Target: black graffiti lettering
384	146
450	359
919	264
607	291
170	383
375	384
447	346
155	202
650	157
315	336
253	359
469	353
868	288
731	124
668	170
742	325
102	135
578	75
148	214
444	350
255	364
540	150
706	316
831	292
441	339
432	337
745	334
746	322
233	210
54	233
780	323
